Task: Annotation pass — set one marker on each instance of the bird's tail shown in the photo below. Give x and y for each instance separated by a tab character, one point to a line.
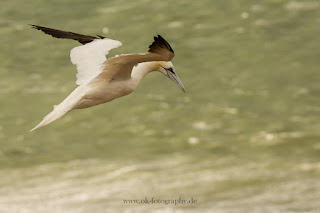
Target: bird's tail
64	107
57	113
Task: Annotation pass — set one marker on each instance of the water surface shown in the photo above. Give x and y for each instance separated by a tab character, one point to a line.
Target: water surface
244	137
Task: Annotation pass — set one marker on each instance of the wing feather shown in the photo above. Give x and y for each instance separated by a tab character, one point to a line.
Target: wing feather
83	39
89	58
120	67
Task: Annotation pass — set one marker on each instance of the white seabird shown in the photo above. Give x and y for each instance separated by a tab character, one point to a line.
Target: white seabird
101	80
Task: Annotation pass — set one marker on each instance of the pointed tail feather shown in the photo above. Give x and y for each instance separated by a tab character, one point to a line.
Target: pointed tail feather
57	113
64	107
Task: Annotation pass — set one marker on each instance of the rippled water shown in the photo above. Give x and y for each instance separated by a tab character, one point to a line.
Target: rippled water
244	138
101	186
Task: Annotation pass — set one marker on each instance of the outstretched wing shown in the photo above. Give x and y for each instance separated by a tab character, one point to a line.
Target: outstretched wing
120	67
83	39
89	58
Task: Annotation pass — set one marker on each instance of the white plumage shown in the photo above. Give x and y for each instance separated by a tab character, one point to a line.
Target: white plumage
89	57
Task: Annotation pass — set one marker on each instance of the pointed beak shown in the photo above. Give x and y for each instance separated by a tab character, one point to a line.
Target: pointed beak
173	76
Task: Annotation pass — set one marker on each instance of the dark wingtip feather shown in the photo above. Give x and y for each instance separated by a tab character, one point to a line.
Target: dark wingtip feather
159	43
37	27
83	39
34	26
102	37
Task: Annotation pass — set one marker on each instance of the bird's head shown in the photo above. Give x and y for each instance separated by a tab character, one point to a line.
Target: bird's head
167	68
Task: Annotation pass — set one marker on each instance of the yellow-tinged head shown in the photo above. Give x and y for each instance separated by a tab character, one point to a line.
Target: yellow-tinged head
167	68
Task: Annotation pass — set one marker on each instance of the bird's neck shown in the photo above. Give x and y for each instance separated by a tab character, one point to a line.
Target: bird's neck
143	69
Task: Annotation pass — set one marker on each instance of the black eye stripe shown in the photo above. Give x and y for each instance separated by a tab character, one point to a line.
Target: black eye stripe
170	69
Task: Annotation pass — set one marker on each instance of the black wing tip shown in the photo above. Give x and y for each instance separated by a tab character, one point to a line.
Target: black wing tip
34	26
37	27
83	39
101	37
160	42
163	40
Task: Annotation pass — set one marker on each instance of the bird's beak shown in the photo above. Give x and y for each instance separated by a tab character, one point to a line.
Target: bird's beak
173	76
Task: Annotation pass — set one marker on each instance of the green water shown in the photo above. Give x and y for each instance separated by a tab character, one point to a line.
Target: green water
244	138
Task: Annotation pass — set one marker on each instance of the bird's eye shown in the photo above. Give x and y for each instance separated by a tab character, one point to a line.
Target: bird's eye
170	69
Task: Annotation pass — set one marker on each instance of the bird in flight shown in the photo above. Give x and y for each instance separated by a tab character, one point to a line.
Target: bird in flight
102	80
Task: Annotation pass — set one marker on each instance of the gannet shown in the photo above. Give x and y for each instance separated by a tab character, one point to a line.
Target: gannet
102	80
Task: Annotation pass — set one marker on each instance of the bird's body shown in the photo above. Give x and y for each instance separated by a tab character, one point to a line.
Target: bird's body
102	91
102	80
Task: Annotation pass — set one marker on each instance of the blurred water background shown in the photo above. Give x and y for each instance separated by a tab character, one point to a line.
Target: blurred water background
244	138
